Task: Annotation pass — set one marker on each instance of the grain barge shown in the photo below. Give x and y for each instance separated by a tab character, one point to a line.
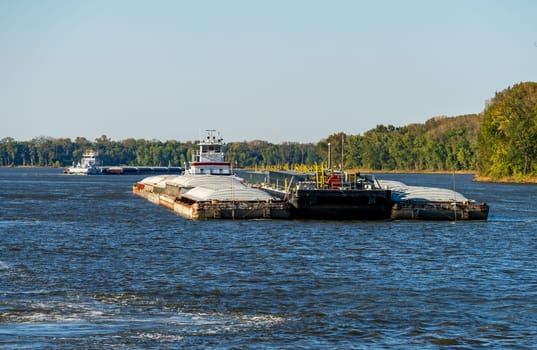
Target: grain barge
208	189
432	203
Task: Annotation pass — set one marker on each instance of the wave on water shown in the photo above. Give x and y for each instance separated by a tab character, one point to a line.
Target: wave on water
73	319
214	323
187	325
511	219
11	223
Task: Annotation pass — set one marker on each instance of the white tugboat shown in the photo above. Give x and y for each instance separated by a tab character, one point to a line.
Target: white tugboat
87	165
208	189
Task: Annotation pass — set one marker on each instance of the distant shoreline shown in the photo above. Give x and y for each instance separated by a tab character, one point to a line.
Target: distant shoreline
476	178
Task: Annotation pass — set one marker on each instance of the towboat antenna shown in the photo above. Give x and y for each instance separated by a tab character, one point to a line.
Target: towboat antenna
342	140
329	153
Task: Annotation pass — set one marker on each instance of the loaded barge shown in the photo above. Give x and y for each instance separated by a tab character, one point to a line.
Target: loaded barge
431	203
208	189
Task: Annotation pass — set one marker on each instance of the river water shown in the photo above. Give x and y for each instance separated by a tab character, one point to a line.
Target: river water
86	264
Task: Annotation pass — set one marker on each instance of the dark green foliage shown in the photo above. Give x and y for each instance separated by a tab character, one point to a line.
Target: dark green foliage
262	153
64	152
441	144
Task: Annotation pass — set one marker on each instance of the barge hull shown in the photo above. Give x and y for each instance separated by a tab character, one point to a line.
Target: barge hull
440	211
209	210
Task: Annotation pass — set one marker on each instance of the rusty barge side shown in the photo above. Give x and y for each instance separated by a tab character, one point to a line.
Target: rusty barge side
170	197
416	210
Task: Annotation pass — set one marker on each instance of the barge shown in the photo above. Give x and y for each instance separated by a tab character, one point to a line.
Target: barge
208	189
431	203
139	170
204	197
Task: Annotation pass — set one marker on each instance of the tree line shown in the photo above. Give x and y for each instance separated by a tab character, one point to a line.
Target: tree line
441	143
499	142
62	152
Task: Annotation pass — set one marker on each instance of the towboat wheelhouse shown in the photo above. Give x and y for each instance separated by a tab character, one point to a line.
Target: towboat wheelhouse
208	159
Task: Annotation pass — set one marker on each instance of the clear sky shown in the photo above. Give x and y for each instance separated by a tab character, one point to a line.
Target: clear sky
255	70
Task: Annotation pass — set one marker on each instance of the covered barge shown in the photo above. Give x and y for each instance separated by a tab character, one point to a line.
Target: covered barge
209	190
432	203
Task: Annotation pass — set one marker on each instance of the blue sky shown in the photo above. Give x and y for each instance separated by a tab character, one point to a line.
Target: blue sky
255	70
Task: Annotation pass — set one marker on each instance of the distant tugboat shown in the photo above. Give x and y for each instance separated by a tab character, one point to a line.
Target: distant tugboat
87	165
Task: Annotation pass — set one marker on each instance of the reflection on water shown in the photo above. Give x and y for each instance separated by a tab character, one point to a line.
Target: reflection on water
84	263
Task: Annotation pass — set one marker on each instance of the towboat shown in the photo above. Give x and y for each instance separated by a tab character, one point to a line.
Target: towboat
86	166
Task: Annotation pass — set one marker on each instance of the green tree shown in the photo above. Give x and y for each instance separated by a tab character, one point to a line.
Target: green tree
508	134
